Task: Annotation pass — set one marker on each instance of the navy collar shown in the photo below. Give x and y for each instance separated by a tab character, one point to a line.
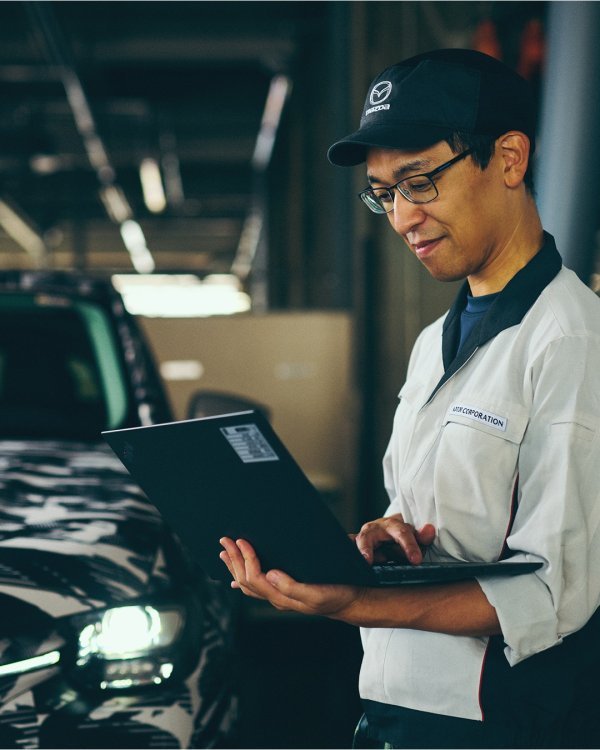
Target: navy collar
507	310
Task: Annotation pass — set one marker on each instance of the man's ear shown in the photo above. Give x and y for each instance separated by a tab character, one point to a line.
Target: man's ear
514	151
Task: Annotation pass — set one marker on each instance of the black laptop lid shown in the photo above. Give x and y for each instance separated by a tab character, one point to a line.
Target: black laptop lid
222	476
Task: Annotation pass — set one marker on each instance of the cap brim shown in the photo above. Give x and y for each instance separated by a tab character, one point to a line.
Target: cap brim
352	150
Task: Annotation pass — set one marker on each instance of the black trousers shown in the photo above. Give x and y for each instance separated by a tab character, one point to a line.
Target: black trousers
417	729
549	700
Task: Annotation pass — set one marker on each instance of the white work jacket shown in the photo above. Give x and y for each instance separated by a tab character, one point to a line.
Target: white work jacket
499	449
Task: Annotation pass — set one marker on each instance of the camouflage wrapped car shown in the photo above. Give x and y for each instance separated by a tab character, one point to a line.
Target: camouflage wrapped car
109	636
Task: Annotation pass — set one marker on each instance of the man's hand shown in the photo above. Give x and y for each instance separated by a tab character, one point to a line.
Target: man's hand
392	538
456	608
282	591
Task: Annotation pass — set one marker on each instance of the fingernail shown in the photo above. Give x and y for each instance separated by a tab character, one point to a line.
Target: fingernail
272	577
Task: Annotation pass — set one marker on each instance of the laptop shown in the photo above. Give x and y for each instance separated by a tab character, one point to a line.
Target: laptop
231	475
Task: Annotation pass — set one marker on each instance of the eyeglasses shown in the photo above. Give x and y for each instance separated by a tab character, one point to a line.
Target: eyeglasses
420	188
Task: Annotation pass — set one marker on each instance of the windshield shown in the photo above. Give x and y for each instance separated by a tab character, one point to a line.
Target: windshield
60	374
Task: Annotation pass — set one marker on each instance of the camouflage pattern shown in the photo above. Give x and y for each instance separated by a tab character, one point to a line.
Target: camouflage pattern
77	536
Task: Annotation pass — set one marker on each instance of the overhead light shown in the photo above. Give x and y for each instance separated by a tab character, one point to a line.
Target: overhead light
181	295
248	244
135	242
115	203
171	169
152	187
78	101
278	92
250	237
46	163
97	155
21	230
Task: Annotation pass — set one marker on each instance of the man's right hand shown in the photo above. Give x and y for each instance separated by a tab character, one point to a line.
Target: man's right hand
391	538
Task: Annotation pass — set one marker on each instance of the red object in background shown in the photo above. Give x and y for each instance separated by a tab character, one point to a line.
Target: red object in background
532	49
486	40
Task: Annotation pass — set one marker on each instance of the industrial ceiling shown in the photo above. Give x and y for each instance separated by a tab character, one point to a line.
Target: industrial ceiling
91	90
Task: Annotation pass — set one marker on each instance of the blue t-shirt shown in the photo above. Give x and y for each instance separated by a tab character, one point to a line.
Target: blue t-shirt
474	311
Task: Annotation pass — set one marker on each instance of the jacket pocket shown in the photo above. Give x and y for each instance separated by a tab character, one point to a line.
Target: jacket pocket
499	419
469	476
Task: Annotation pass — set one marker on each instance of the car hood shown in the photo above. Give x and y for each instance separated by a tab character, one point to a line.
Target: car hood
76	533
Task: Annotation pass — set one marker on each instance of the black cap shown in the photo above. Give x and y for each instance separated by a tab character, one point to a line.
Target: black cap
422	100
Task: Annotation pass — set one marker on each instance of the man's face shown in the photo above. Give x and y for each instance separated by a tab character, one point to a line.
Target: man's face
464	230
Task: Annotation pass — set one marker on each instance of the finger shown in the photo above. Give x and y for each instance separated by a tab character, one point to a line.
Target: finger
226	559
385	530
367	539
373	534
251	562
426	535
232	550
237	566
404	535
245	567
255	580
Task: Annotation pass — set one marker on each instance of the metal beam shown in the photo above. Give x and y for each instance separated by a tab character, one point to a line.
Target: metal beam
111	194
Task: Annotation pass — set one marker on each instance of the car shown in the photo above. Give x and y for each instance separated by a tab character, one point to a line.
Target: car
110	636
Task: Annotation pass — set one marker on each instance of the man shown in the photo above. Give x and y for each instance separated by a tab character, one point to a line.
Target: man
496	437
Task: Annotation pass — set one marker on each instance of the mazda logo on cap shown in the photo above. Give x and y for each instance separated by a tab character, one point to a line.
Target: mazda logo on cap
380	92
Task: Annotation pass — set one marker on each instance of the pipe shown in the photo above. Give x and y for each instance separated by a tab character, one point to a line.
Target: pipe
568	165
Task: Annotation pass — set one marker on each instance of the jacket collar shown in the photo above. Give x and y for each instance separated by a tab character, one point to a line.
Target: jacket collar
507	310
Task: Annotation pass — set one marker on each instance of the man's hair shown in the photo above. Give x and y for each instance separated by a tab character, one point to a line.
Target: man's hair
483	147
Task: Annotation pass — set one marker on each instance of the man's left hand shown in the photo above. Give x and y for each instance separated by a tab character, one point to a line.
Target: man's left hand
280	589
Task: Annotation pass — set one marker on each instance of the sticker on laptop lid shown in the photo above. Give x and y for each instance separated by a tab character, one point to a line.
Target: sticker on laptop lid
249	443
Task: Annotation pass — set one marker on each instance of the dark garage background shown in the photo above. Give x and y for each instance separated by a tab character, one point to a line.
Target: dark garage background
236	104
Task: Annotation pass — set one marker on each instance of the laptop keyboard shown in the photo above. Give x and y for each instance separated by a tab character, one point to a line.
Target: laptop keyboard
395	571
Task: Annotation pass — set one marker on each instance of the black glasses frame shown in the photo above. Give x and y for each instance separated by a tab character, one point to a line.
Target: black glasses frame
370	198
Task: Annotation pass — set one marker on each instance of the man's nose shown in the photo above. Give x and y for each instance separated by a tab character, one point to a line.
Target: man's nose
406	215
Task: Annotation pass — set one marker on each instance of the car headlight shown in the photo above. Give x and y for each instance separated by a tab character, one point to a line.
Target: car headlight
129	646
